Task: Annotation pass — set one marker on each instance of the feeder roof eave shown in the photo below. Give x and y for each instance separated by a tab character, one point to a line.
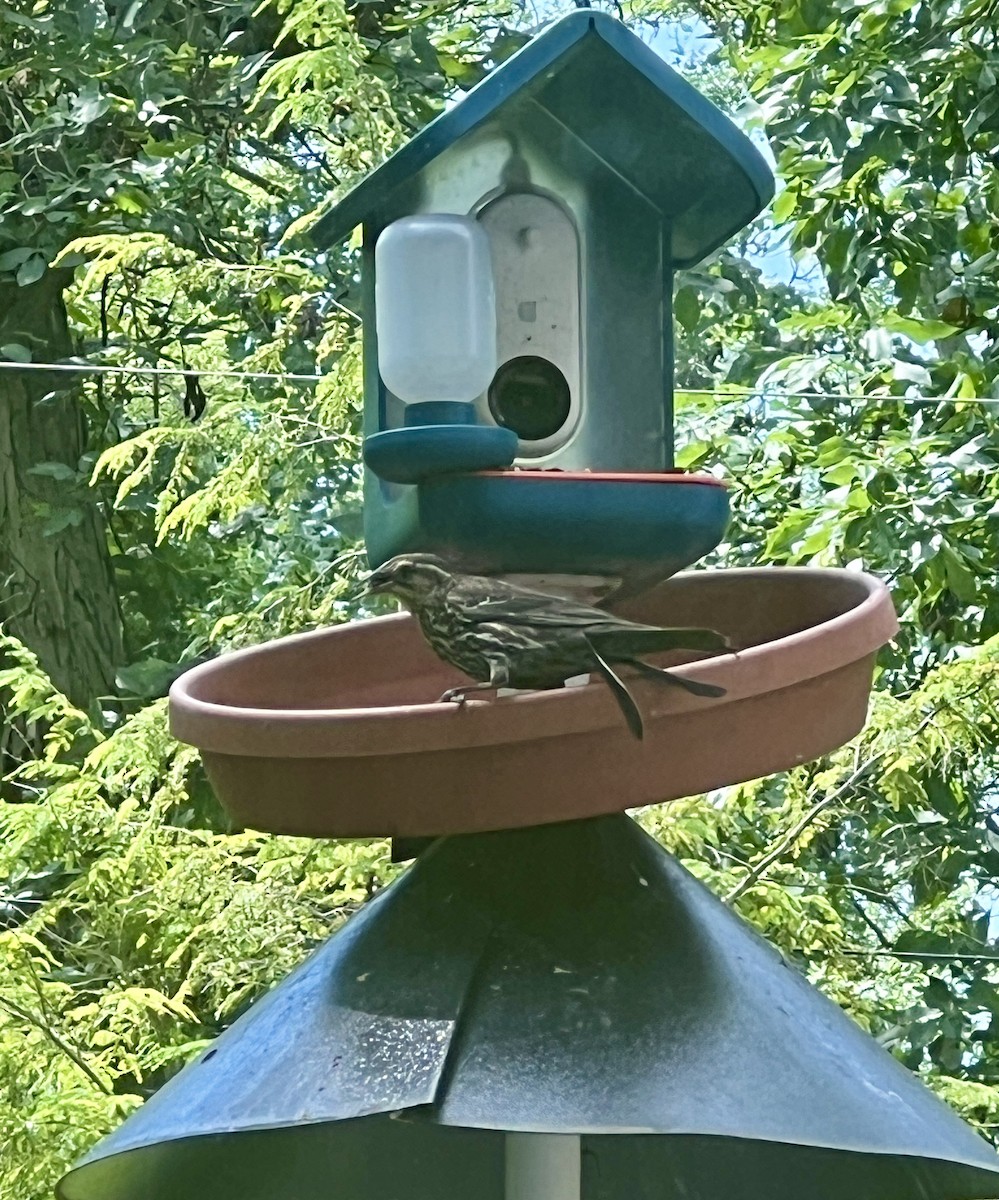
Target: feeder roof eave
725	183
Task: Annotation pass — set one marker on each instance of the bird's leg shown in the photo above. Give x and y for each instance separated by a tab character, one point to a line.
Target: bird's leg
499	676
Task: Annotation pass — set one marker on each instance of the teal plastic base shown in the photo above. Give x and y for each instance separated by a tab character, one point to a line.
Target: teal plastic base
640	528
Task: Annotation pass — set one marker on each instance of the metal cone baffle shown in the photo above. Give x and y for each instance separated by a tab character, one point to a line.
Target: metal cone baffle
567	980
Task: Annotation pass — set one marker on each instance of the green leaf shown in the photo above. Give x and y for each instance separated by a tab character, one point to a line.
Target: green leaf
16	352
687	308
960	577
34	206
31	270
63	519
925	941
88	106
784	206
148	678
13	258
919	331
16	18
463	73
691	453
54	470
841	474
963	387
131	199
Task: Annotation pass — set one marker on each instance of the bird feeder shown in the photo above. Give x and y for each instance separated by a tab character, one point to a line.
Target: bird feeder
545	1005
517	268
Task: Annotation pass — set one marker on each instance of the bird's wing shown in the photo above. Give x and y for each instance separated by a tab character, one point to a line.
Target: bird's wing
482	599
629	641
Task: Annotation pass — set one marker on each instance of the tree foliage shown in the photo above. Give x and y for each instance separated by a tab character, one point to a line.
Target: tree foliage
867	438
164	158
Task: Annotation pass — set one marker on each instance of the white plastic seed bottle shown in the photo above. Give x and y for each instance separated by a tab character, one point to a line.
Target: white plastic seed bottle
435	308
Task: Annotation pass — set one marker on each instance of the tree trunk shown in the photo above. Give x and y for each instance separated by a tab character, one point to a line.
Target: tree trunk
57	590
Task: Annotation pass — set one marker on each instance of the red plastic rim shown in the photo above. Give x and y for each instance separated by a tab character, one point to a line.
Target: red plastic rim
604	476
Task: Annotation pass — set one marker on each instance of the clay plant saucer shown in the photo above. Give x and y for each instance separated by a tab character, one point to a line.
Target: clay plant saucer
336	733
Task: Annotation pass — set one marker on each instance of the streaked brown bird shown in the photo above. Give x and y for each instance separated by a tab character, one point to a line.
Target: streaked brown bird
503	635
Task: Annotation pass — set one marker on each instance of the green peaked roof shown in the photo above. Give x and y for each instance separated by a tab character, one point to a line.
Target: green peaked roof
637	117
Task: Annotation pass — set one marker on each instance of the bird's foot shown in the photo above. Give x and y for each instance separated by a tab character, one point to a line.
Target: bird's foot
458	695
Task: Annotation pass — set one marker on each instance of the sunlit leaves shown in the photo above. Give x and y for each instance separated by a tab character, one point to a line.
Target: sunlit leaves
887	206
153	933
883	120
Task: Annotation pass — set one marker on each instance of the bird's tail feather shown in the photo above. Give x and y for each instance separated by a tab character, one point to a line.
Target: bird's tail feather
694	686
624	699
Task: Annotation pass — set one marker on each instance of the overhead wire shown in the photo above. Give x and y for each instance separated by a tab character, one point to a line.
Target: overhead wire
179	372
723	393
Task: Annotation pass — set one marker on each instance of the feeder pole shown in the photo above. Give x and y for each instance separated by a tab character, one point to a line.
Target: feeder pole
542	1166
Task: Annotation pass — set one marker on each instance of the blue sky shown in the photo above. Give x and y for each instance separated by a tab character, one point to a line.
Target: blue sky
684	44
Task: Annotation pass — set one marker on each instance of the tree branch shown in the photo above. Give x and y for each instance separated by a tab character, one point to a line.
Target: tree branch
871	924
72	1054
267	185
757	871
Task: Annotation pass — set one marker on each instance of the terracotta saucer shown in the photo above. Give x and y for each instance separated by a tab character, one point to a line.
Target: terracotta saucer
335	733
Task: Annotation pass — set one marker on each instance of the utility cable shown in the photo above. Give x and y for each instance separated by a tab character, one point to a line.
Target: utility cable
180	372
724	393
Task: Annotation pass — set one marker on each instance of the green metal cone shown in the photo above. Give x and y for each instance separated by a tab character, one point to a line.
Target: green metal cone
567	978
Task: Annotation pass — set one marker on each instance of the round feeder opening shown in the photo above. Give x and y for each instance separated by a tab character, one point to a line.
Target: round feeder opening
530	395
